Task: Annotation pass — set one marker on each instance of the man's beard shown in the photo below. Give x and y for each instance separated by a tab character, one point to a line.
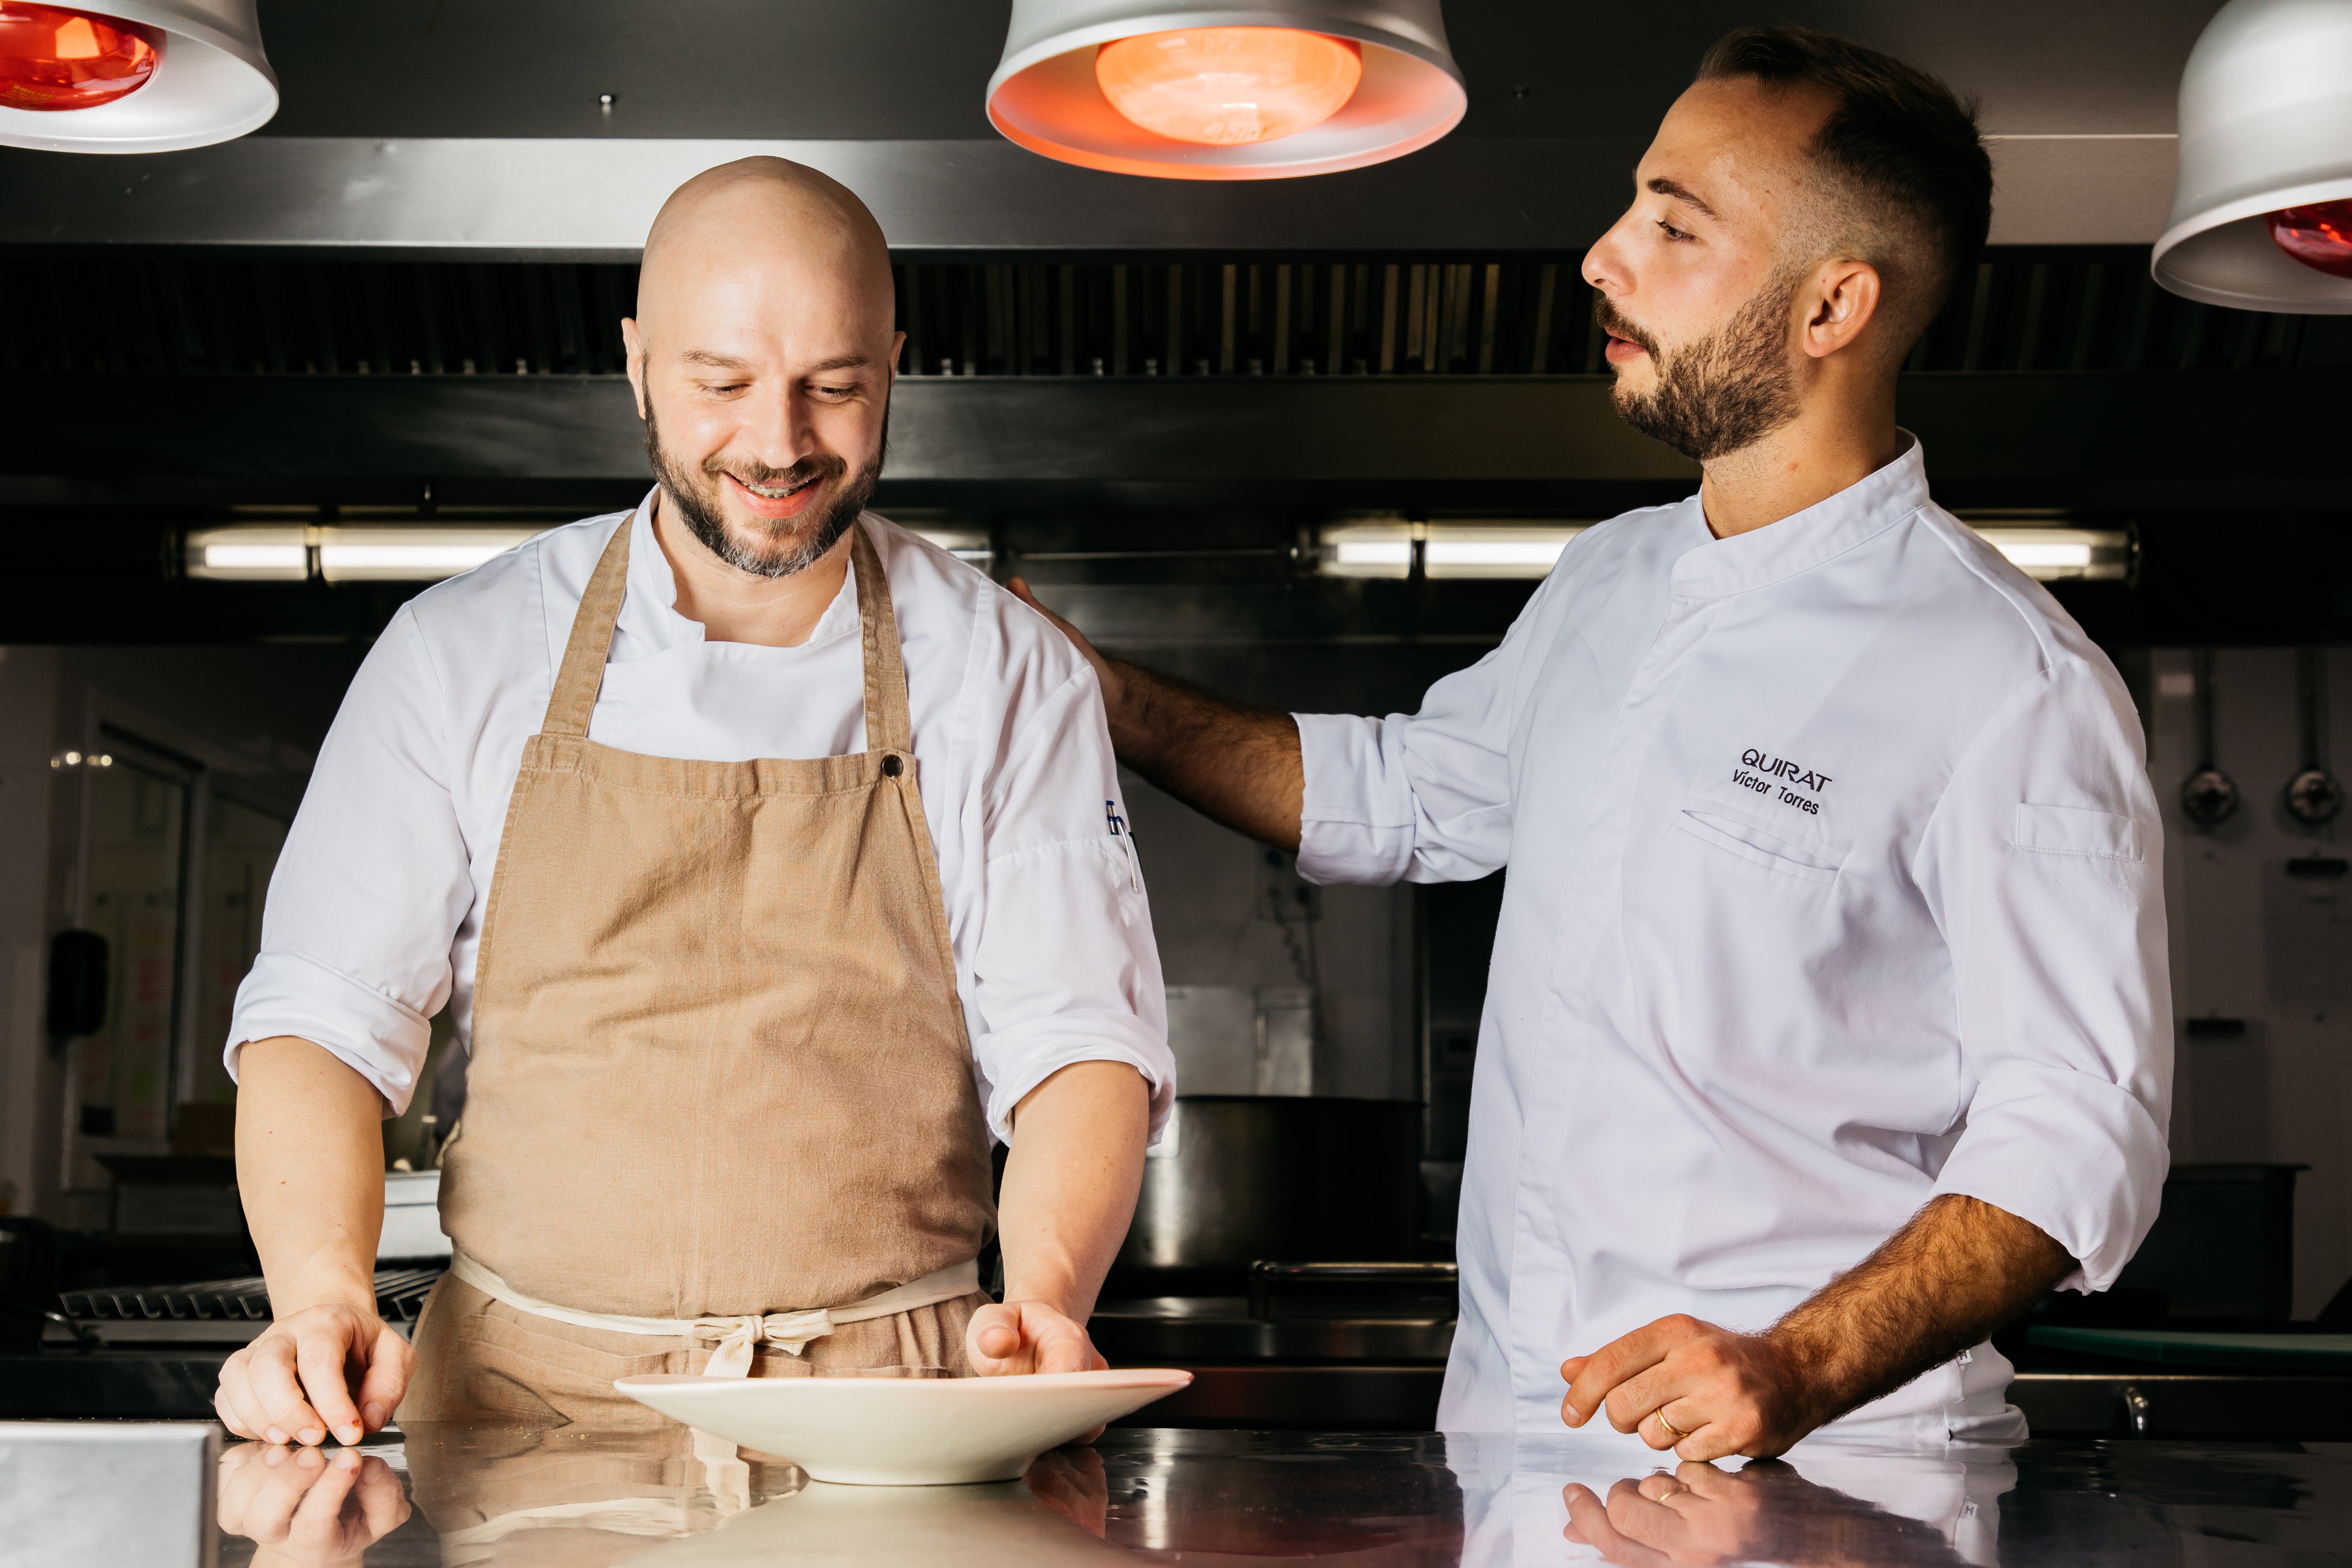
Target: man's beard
793	544
1726	391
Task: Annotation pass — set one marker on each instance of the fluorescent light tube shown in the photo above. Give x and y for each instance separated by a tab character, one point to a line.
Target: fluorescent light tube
963	543
399	553
1501	549
250	554
2052	554
410	555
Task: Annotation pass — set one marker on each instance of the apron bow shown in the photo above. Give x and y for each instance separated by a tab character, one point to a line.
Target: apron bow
737	1337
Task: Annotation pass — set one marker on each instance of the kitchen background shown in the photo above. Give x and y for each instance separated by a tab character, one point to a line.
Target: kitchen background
1310	444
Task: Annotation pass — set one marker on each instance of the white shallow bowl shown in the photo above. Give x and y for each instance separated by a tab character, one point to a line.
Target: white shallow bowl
904	1431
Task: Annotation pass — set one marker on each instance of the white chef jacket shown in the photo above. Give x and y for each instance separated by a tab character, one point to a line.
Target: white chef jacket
375	907
1835	885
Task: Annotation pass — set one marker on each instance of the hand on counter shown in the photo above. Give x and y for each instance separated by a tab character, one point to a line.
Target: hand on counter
326	1370
1766	1511
1072	1483
1702	1391
304	1509
1012	1337
1957	1270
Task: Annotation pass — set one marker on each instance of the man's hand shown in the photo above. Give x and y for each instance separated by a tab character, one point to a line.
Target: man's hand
1109	673
1959	1269
1071	1482
1697	1515
307	1510
1702	1391
1763	1512
1015	1337
325	1370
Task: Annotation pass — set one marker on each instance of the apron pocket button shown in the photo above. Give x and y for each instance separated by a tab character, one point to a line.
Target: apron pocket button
892	767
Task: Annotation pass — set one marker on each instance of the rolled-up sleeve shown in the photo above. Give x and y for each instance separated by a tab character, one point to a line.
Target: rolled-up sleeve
1420	798
2043	864
1065	968
370	886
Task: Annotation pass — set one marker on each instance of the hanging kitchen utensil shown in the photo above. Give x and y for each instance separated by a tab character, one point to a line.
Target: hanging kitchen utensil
2313	795
2209	797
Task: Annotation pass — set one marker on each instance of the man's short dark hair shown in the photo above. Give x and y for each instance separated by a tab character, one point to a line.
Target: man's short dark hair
1897	139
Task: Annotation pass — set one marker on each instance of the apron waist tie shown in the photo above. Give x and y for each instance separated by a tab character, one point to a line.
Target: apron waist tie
734	1338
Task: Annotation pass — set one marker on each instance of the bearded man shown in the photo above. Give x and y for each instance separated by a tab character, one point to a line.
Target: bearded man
760	850
1828	1023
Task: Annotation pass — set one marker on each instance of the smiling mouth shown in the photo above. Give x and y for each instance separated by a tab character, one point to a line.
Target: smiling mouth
775	492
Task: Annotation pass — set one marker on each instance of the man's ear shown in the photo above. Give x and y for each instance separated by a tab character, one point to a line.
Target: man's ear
633	344
1841	300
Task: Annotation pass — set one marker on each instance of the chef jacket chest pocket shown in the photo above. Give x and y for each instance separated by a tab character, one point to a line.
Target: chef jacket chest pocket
1737	836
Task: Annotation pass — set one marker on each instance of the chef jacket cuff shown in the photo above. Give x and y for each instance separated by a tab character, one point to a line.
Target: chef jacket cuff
1070	1039
2078	1156
375	1037
1356	816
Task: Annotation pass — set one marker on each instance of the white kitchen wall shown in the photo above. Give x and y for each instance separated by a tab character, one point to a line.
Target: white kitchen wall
29	1087
2280	1091
1208	887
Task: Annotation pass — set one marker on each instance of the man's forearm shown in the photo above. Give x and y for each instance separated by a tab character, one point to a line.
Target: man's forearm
1070	1181
309	1169
1233	762
1960	1269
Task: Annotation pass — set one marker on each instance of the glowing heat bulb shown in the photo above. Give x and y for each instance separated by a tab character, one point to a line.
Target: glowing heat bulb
2318	235
55	59
1224	87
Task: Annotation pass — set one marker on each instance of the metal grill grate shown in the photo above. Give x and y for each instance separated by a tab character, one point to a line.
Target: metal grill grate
399	1297
164	313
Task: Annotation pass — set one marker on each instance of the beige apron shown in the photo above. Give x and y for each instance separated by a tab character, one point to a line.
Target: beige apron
719	1078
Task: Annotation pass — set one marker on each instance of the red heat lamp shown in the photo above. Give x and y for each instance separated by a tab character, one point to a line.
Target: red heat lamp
1223	86
2318	235
2262	212
53	58
1249	90
132	75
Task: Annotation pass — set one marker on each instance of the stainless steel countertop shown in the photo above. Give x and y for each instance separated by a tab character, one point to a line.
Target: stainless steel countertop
486	1495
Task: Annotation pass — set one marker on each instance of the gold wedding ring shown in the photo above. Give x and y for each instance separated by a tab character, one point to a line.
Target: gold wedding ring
1659	1415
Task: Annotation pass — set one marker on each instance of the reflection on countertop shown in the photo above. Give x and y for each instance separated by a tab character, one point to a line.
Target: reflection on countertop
455	1497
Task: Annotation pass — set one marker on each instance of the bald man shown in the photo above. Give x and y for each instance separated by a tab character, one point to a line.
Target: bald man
768	861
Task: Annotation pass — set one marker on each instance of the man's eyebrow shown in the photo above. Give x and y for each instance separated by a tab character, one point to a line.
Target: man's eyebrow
1681	192
717	361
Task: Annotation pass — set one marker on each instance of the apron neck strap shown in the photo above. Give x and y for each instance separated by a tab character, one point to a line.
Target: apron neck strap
887	728
582	675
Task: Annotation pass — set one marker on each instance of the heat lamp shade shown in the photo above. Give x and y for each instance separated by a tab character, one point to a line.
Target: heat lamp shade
2265	123
212	84
1044	94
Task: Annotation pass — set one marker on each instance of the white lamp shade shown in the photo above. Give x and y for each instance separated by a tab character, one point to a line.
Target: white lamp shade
2265	123
1044	95
212	84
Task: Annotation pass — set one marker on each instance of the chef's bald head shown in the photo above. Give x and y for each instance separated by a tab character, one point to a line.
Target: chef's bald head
762	354
765	214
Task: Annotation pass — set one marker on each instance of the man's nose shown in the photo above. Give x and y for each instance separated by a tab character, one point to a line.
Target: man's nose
775	427
1603	265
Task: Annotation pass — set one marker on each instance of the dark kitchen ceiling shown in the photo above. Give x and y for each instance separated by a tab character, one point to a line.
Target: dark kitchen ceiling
891	69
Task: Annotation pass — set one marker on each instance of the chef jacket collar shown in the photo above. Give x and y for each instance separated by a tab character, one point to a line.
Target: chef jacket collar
649	616
1803	541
